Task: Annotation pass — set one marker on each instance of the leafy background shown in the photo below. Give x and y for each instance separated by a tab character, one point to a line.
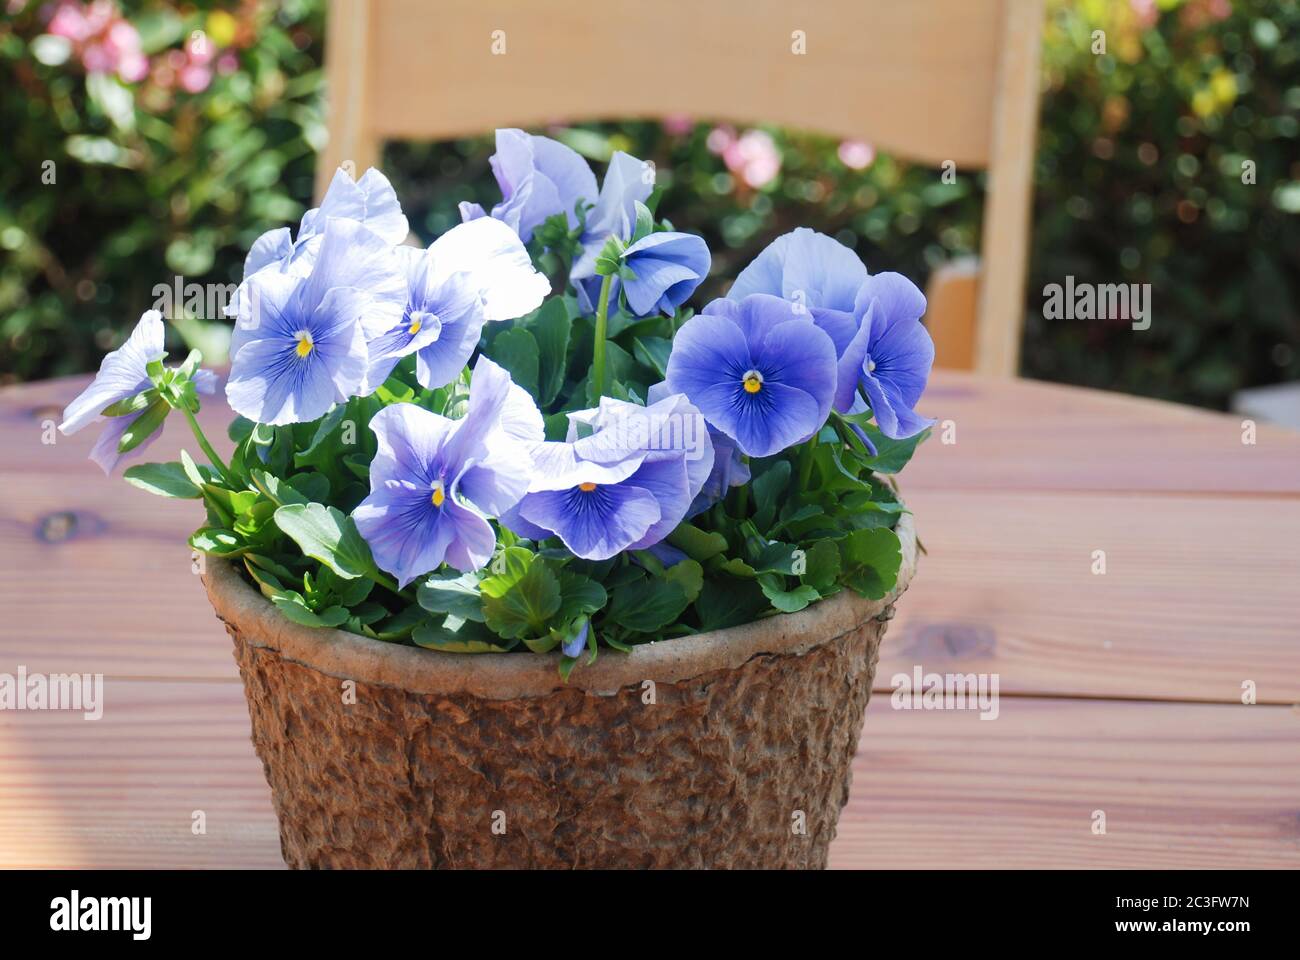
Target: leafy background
1138	180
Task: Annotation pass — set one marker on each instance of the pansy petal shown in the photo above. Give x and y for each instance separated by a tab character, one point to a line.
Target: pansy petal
473	540
706	351
805	267
497	264
104	452
904	356
666	481
406	533
121	374
595	524
410	440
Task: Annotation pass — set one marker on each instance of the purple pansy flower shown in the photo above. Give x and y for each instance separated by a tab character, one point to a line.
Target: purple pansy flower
804	267
623	487
434	482
370	201
475	272
730	469
123	374
760	371
889	356
539	177
302	341
628	181
885	351
667	268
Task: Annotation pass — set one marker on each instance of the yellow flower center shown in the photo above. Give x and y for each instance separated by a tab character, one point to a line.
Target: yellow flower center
414	328
438	495
753	381
586	487
305	343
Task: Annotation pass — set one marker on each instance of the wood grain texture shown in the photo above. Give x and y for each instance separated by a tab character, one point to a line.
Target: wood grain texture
122	791
1181	785
916	78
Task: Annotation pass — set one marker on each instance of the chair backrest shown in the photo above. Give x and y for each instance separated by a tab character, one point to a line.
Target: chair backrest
931	80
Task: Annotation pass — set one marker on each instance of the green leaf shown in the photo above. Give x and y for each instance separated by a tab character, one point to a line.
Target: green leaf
132	404
787	601
516	351
871	559
163	479
647	605
455	593
325	534
697	544
579	595
217	542
689	575
729	604
144	426
525	606
821	565
276	489
891	455
768	487
551	331
653	352
455	636
293	606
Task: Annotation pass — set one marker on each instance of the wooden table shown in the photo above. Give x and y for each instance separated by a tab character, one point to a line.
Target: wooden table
1120	692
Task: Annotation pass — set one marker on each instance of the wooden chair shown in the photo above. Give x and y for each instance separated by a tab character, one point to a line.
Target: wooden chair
932	80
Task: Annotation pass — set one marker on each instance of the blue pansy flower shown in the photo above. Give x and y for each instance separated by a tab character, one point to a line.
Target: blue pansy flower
122	374
370	201
434	482
889	357
628	181
539	177
759	370
665	267
625	486
730	469
475	272
302	343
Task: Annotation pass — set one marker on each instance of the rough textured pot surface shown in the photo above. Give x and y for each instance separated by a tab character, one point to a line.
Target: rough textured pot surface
726	749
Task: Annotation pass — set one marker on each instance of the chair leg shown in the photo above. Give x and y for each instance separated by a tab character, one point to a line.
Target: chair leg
952	307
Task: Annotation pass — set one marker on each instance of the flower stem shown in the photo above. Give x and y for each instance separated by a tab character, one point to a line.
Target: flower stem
207	447
602	325
806	464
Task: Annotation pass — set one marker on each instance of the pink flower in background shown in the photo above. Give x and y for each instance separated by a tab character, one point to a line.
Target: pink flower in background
677	124
1146	11
102	40
856	155
195	77
754	158
719	139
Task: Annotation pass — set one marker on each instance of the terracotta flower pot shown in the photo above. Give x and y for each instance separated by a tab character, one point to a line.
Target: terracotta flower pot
725	749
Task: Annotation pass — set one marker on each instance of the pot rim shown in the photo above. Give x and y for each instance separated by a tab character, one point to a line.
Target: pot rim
509	676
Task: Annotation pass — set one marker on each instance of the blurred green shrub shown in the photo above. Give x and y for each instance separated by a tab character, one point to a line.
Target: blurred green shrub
134	160
1139	180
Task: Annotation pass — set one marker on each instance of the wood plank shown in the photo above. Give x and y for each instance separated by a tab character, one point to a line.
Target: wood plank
1181	785
1005	235
1029	435
121	791
925	91
1199	595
